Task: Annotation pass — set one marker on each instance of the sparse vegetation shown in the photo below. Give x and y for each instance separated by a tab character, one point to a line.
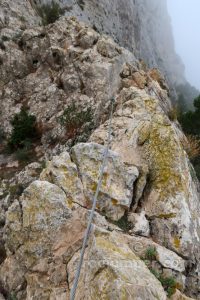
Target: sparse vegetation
23	154
192	146
50	12
5	38
24	131
150	253
123	223
23	135
169	283
190	122
22	19
2	135
15	190
2	46
77	122
12	296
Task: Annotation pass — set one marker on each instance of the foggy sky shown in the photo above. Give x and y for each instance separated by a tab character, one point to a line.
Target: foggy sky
185	15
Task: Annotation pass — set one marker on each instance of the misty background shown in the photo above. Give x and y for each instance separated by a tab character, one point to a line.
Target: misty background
186	28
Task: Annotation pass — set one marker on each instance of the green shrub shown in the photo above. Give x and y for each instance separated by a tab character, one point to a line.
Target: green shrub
50	12
2	135
22	19
24	131
23	155
155	273
12	296
190	120
123	223
76	121
15	190
5	38
150	253
2	46
169	283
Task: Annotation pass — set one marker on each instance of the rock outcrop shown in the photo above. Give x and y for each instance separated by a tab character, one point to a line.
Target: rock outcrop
145	238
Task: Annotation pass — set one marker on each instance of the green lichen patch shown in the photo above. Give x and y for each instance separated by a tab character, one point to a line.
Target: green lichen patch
164	155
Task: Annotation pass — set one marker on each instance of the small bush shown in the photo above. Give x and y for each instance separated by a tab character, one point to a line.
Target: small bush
12	296
5	38
190	121
24	131
169	283
23	155
2	135
16	190
50	12
76	122
123	223
22	19
150	253
2	46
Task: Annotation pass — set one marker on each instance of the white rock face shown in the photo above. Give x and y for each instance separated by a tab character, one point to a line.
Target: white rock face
113	271
127	22
144	135
116	191
168	259
62	172
140	224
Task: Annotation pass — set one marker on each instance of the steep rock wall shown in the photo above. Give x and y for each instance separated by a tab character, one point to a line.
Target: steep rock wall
142	26
148	199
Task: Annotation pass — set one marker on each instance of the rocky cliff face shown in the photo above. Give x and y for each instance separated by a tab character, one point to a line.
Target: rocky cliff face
142	26
145	239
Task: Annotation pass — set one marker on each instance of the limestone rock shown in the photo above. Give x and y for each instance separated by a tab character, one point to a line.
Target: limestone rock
87	38
156	75
63	172
117	185
12	274
30	232
143	134
113	271
139	79
165	257
140	224
179	296
169	259
44	209
106	47
46	69
29	174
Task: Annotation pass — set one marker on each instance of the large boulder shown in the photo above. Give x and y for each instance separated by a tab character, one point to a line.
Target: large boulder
64	173
112	271
32	225
116	191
